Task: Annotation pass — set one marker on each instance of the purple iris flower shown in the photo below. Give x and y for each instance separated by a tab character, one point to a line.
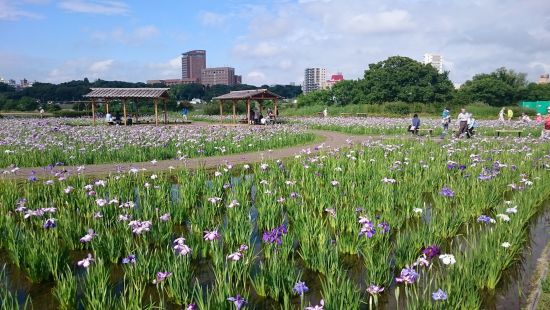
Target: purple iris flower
447	192
238	301
462	167
375	289
384	226
484	219
408	276
300	288
50	223
161	276
439	295
165	217
130	259
431	251
192	306
367	229
274	235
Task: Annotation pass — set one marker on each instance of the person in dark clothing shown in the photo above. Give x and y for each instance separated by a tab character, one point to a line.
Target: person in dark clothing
415	124
118	119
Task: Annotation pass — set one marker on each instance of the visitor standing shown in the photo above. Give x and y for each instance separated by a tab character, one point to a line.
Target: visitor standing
184	113
41	112
462	122
525	118
108	118
501	114
539	118
510	114
415	124
546	130
472	125
445	120
325	112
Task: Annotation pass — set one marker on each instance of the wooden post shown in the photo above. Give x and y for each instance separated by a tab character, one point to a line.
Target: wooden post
221	111
275	109
165	115
107	107
248	111
234	111
137	110
124	110
156	111
93	109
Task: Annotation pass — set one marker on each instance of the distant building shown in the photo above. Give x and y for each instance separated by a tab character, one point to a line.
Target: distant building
314	79
192	64
25	83
218	76
335	78
544	78
435	60
238	79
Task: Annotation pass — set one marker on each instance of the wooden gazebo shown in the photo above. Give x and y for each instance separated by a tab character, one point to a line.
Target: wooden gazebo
123	94
248	95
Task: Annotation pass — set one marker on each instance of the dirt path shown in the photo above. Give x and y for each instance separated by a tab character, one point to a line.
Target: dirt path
326	139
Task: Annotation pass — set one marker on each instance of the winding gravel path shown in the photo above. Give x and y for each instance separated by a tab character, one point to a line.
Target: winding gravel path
325	139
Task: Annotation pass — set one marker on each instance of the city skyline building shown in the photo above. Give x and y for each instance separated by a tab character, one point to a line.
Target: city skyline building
314	79
435	60
544	79
192	64
219	76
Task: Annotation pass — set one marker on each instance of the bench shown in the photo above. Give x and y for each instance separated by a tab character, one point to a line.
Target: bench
345	114
429	130
519	132
243	121
361	114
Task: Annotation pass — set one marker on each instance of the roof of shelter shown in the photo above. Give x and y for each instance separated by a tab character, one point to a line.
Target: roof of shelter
249	94
127	93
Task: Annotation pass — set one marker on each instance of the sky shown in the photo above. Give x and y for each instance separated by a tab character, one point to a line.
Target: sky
269	41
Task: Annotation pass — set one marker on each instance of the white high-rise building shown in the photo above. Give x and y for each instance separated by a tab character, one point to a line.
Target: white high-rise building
314	79
435	60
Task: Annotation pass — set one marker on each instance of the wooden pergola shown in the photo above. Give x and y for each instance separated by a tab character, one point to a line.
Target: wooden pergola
124	94
258	95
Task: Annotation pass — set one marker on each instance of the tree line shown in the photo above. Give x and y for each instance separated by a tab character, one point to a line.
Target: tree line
31	98
402	79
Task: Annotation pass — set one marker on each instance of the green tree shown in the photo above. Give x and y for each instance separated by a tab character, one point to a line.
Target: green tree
404	79
499	88
536	92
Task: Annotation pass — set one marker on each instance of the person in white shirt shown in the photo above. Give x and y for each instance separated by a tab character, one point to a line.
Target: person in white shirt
108	117
463	117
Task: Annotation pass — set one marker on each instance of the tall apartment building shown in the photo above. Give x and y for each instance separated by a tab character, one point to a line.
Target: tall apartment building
192	64
544	79
314	79
217	76
435	60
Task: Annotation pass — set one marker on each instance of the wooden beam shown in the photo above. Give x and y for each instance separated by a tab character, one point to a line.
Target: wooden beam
165	115
93	110
221	111
156	111
234	111
124	109
107	107
248	110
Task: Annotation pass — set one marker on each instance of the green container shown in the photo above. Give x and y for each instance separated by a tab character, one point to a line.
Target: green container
540	106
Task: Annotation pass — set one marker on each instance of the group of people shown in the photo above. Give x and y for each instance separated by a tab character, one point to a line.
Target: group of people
466	123
117	119
260	119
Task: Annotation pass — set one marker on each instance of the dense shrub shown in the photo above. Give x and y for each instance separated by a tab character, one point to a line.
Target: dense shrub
70	113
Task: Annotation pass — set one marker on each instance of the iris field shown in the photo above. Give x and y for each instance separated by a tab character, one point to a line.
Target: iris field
393	224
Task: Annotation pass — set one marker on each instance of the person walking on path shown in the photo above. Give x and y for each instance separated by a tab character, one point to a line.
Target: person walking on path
501	114
545	134
462	122
325	112
184	113
510	114
445	121
415	124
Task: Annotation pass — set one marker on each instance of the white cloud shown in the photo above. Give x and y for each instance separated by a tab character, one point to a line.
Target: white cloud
136	36
11	11
261	49
104	7
101	66
255	78
381	22
212	19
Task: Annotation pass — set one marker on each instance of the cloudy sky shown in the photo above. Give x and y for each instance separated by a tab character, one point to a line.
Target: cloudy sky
269	41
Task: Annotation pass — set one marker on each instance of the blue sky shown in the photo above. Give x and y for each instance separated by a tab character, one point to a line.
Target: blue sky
266	41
